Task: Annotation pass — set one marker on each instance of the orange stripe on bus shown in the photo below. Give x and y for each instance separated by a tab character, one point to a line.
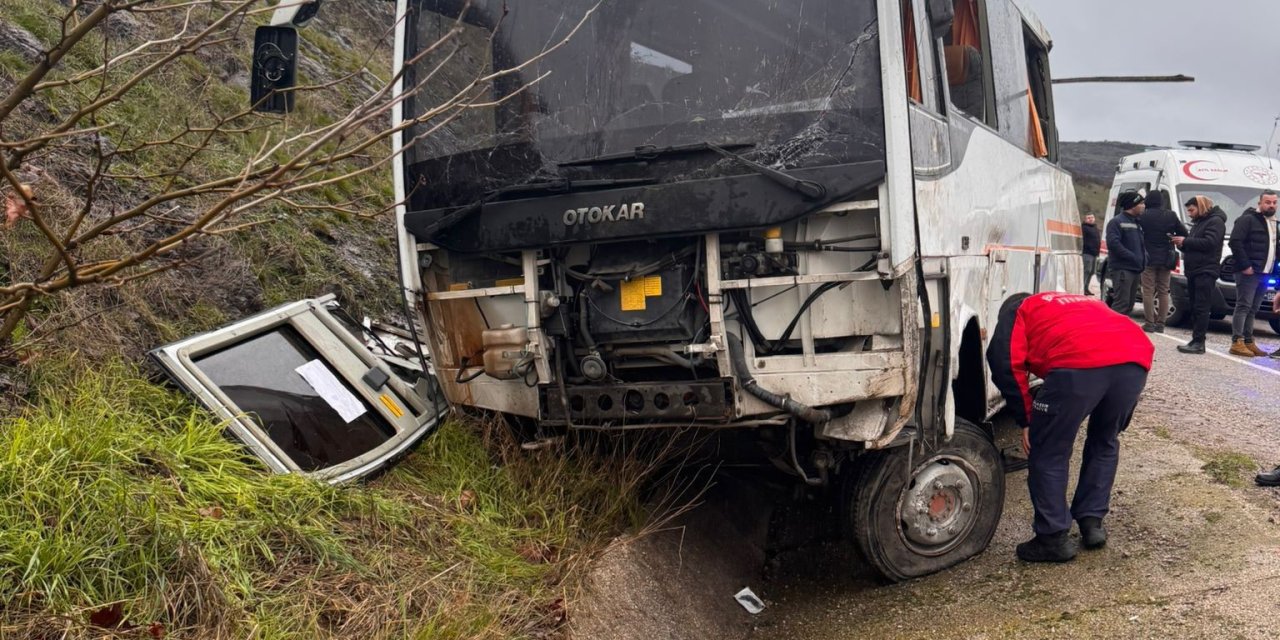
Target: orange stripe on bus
1064	227
1013	247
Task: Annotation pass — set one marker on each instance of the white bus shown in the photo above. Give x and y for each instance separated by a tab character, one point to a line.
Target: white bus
793	219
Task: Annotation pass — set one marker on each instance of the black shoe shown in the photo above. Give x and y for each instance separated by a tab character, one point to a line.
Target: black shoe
1092	534
1192	347
1057	547
1159	328
1089	293
1149	327
1269	479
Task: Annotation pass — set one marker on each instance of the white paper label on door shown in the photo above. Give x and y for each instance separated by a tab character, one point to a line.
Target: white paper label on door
331	389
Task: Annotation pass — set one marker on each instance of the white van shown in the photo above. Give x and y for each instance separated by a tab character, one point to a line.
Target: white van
1231	175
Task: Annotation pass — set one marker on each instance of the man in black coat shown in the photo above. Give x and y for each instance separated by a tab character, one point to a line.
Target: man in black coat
1201	261
1092	247
1253	250
1126	251
1159	225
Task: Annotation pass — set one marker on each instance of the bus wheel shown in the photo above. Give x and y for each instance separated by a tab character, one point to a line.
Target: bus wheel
915	515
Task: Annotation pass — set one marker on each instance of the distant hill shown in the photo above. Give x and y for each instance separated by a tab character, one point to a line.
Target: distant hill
1096	161
1092	166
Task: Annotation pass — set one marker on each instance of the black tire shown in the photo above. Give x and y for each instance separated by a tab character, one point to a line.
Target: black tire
1275	325
896	542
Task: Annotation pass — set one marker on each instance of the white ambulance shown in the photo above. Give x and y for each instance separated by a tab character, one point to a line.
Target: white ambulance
1231	175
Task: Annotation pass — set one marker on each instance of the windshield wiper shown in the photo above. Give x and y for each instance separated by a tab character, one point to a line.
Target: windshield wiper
808	189
647	152
565	185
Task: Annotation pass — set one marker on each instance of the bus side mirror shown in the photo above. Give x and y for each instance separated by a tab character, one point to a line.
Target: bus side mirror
942	14
275	69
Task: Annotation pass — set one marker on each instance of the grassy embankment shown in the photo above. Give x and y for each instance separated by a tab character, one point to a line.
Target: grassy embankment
127	513
126	509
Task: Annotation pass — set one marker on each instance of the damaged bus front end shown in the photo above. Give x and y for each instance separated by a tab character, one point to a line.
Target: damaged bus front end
659	213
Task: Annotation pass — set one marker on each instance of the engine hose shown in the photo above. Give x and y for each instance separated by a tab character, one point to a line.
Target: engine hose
463	370
747	318
584	331
803	411
813	297
657	353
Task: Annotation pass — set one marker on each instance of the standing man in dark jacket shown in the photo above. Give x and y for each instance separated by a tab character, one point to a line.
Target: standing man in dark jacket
1126	251
1253	250
1092	247
1094	364
1158	226
1201	261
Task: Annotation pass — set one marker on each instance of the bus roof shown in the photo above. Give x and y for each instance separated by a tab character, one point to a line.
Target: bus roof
1033	23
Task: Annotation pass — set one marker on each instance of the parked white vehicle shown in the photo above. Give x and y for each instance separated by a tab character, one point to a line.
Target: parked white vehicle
1231	175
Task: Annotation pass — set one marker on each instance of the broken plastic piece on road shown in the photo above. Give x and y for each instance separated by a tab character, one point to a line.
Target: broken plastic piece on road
749	601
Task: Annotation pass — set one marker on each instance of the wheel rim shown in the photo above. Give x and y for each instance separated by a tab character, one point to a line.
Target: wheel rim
938	508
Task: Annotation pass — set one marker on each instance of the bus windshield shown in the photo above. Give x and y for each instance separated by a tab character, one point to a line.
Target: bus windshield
519	87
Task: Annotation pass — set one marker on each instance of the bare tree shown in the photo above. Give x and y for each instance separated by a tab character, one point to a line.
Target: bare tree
206	173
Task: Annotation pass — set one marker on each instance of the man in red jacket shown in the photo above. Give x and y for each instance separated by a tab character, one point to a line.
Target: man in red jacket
1094	365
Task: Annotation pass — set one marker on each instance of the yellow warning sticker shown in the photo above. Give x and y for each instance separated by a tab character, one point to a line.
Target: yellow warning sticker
652	286
391	405
633	295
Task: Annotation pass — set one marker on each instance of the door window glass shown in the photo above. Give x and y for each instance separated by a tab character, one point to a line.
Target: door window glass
260	375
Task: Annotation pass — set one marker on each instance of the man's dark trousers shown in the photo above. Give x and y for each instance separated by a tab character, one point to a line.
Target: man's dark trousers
1200	295
1124	286
1107	397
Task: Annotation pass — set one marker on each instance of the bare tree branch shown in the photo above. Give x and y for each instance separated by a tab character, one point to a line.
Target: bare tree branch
210	172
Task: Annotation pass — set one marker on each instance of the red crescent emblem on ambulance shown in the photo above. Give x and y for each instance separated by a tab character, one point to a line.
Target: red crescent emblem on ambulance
1210	173
1186	168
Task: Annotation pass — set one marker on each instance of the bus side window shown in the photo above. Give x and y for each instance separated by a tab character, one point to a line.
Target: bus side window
967	56
911	53
1042	134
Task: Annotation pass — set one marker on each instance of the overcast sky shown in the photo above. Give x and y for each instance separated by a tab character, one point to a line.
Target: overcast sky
1231	47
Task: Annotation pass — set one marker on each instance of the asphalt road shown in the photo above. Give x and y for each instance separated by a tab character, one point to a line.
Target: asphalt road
1189	556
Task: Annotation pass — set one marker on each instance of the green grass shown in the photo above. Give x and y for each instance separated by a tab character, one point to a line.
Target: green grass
122	497
1229	467
298	256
